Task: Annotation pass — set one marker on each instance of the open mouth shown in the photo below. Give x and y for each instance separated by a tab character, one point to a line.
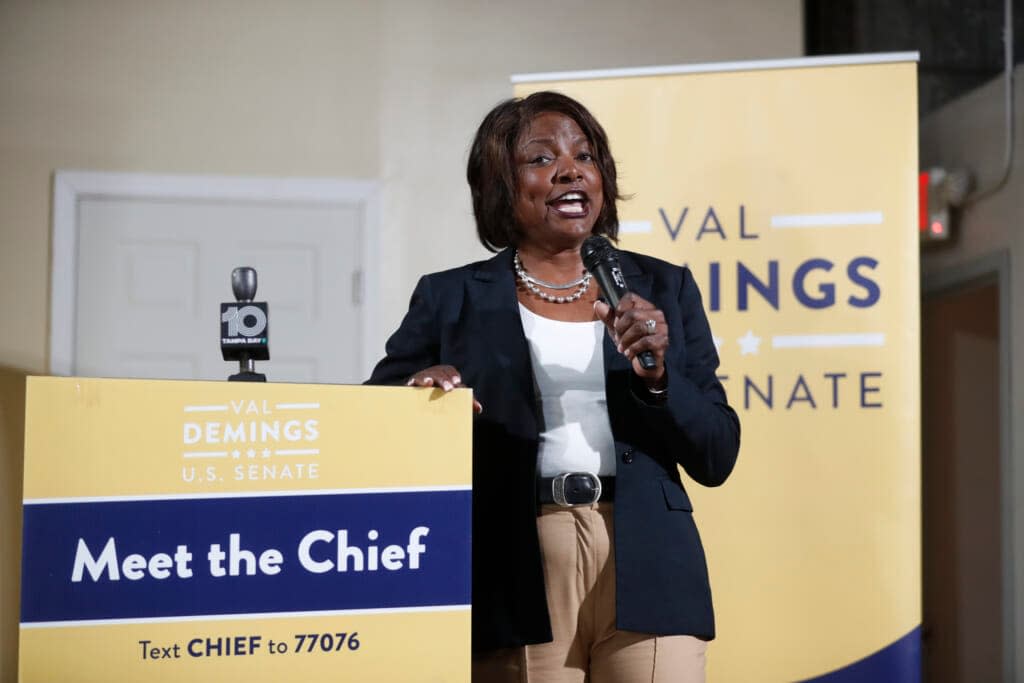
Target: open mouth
572	204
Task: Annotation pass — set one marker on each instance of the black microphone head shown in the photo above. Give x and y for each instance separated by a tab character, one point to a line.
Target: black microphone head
243	283
597	249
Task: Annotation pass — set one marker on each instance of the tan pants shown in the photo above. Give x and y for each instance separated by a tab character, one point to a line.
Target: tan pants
579	575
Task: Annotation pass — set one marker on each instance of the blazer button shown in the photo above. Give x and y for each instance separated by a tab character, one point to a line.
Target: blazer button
627	456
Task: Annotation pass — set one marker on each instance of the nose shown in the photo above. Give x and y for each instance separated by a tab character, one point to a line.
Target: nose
567	171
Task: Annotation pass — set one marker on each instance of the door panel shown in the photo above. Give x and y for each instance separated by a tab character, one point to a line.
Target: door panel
152	273
961	490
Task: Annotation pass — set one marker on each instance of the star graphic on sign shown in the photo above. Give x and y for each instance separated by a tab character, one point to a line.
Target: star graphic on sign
266	452
749	343
251	453
718	342
235	453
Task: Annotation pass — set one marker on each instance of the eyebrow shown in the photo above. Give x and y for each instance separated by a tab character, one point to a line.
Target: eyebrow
548	141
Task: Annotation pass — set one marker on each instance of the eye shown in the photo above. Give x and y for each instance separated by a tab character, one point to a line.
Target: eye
540	159
585	156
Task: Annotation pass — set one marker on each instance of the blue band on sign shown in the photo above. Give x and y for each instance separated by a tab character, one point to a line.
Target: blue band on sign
223	556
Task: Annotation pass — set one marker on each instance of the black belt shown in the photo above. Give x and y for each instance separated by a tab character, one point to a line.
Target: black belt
575	488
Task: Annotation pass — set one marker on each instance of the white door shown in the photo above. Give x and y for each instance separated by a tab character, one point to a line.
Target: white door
151	271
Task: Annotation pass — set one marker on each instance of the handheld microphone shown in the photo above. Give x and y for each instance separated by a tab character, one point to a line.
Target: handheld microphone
244	332
602	261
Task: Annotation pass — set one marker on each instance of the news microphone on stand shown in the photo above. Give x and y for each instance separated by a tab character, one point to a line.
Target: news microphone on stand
244	333
601	260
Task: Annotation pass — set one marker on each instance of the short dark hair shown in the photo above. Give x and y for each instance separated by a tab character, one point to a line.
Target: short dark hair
492	166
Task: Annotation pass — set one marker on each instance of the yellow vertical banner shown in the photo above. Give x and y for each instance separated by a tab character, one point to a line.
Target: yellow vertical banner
789	189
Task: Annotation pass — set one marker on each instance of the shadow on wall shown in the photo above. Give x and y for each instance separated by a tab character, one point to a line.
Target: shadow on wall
12	441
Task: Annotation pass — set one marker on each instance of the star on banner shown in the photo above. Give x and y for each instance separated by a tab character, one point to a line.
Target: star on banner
749	343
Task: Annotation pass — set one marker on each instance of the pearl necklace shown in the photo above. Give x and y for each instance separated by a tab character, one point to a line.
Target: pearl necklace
531	283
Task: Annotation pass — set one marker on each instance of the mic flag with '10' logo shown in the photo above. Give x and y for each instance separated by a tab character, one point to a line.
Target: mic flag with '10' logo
244	333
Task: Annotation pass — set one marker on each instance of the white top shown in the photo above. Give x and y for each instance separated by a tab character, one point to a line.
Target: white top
568	365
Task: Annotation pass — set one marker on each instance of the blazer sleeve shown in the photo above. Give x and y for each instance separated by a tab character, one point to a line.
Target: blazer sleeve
415	344
695	422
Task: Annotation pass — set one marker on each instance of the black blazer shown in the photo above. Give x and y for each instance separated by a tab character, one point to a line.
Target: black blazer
469	318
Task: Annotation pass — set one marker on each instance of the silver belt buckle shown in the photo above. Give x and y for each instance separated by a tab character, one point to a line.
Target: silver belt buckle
558	489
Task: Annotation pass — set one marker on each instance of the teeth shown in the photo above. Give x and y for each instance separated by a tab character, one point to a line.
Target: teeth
577	196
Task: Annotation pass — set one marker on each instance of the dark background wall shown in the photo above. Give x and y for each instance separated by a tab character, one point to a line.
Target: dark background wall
961	42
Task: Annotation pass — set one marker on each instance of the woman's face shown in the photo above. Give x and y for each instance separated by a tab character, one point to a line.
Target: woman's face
559	193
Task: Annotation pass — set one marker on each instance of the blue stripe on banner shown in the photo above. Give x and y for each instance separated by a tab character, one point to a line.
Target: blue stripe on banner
163	563
899	662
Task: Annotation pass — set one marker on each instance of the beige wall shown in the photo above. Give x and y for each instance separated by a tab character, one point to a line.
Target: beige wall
228	87
388	90
968	133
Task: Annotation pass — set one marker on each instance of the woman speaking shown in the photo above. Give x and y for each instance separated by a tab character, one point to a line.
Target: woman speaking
587	565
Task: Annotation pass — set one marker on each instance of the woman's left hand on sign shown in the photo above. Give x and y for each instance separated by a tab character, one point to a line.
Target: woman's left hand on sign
444	377
630	328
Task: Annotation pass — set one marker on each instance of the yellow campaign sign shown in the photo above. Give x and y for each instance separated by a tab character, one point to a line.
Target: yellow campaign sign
101	437
790	192
202	530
